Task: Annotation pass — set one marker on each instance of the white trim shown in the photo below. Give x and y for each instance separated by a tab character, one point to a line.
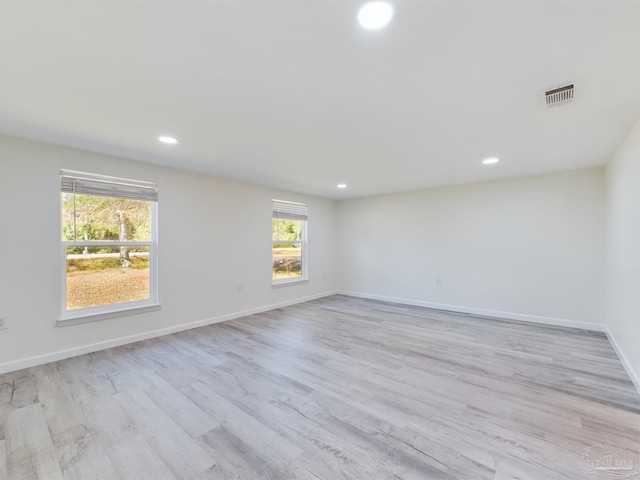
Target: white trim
105	312
116	187
105	243
304	269
520	317
633	375
558	322
288	281
289	210
94	347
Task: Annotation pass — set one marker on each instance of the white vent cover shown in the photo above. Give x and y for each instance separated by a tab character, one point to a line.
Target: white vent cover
559	96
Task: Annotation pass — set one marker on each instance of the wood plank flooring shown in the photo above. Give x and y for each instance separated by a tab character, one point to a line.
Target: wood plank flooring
337	388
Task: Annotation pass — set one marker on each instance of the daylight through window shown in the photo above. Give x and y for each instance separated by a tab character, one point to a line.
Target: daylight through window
108	243
289	237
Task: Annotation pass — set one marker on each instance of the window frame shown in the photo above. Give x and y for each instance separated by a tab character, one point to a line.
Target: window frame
278	214
98	312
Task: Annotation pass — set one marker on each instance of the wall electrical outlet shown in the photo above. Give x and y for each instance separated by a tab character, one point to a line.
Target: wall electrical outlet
438	282
3	323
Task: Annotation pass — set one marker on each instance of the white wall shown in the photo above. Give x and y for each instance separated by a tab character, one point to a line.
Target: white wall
213	234
623	252
530	248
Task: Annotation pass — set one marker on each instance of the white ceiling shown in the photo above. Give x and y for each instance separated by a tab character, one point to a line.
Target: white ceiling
293	94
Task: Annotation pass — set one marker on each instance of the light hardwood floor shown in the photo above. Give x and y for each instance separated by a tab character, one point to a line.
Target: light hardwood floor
337	388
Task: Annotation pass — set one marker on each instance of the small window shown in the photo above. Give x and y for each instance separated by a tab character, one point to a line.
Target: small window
108	244
289	241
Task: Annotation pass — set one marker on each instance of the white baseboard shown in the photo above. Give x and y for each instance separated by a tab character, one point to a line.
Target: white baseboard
94	347
633	375
116	342
558	322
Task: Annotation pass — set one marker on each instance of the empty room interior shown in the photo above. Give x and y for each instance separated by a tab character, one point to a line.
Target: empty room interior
316	239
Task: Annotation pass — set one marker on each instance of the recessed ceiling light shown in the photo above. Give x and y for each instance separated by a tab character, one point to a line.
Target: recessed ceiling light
169	140
375	15
342	185
490	161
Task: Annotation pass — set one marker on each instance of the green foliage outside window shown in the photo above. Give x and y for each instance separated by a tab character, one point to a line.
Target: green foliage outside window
283	230
89	217
287	248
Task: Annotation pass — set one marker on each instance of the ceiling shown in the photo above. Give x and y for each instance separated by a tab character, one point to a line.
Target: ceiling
294	94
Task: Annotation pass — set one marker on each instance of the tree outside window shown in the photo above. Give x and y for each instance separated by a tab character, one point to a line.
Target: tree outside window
108	237
288	235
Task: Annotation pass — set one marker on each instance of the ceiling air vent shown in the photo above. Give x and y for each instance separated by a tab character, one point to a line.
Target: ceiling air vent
559	96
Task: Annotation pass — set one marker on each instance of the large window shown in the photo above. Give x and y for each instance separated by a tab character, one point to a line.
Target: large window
289	238
108	244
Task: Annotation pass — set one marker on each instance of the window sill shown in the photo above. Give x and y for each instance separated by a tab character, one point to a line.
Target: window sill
288	281
87	315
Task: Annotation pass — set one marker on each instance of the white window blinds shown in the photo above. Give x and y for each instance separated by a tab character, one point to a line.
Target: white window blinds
289	210
88	184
